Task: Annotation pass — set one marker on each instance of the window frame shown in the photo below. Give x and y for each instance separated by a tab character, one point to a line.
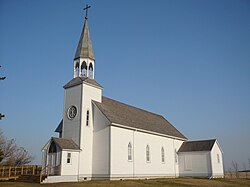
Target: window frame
175	156
69	158
87	118
130	158
148	159
162	155
218	158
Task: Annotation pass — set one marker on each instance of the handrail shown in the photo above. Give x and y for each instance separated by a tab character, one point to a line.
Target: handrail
15	171
41	173
47	169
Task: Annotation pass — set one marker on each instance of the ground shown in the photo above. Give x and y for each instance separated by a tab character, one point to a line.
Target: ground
180	182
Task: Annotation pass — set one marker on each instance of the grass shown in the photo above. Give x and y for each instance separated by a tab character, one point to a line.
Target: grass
180	182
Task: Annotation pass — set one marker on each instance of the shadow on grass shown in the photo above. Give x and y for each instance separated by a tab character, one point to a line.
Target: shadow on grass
165	182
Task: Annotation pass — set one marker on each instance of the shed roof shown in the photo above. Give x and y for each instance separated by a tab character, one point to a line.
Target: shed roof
126	115
200	145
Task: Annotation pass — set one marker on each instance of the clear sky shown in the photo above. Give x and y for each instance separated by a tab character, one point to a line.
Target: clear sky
186	60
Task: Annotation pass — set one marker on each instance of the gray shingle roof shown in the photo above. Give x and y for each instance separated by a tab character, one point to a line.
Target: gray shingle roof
123	114
84	48
65	143
201	145
79	80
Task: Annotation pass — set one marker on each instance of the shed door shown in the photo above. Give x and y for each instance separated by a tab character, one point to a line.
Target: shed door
188	163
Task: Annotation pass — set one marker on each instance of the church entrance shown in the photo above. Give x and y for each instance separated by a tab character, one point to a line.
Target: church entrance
52	163
53	167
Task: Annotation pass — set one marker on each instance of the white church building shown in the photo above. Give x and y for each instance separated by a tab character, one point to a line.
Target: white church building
100	138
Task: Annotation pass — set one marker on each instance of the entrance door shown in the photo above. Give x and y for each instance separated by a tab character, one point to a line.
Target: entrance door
52	163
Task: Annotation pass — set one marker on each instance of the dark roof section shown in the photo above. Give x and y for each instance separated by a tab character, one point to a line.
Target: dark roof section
201	145
65	143
59	127
84	48
123	114
79	80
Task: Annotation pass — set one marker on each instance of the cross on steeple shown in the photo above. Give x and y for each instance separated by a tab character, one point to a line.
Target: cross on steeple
86	8
1	116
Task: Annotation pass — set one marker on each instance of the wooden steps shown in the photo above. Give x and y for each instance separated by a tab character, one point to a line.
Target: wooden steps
29	178
8	178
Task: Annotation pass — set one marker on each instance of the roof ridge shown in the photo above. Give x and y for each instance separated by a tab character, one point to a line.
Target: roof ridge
82	78
202	140
61	138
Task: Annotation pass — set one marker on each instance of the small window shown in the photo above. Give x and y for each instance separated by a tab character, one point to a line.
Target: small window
162	155
68	158
129	152
84	69
91	71
218	158
77	69
147	154
87	118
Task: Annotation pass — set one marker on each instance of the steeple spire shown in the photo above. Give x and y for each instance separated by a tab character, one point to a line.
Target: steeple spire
84	61
84	49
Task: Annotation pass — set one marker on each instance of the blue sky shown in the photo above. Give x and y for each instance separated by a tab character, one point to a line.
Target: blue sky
186	60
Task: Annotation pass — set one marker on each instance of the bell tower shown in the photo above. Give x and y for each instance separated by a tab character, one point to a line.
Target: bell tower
80	92
84	61
78	121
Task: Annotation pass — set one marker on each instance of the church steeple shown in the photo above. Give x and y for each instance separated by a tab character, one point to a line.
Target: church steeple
84	58
84	49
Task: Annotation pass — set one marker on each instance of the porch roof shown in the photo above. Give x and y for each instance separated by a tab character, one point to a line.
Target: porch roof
65	143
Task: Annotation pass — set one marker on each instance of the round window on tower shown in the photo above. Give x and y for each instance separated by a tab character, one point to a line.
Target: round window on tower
72	112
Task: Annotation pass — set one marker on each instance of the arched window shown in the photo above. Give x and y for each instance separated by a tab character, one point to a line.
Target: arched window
91	70
77	69
84	69
162	155
129	151
52	147
87	118
147	154
218	158
175	156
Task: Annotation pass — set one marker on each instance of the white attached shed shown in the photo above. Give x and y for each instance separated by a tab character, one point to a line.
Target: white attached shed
202	158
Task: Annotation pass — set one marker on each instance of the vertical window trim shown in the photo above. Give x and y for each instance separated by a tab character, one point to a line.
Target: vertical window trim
130	152
147	153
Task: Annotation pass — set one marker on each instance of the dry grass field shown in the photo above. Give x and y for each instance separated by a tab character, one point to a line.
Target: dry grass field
241	175
180	182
